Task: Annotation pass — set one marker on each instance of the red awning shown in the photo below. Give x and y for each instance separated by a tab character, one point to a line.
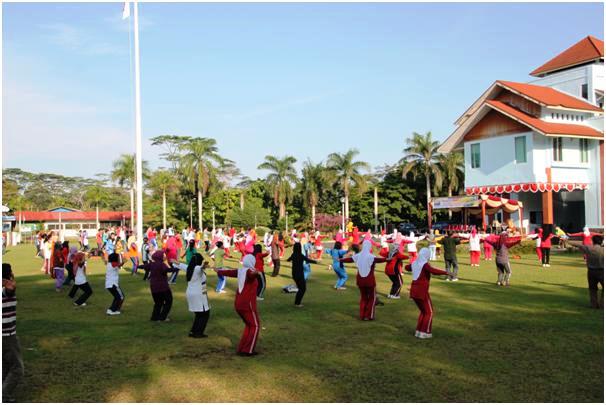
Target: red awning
525	187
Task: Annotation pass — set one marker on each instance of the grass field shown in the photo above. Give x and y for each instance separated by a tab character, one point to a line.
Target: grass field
535	341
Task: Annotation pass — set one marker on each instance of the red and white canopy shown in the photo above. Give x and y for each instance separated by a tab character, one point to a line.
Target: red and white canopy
525	187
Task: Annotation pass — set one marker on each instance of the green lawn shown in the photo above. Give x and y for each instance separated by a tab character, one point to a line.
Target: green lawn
535	341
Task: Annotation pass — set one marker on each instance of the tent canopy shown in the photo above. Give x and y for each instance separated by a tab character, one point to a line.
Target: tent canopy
473	203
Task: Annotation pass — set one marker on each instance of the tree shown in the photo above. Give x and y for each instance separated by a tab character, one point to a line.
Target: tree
197	163
163	181
243	186
313	184
452	166
421	157
345	172
171	144
96	195
282	175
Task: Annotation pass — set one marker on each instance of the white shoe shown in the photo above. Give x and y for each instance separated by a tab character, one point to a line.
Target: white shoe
260	298
548	265
390	296
342	288
455	279
222	292
109	312
417	333
395	297
447	279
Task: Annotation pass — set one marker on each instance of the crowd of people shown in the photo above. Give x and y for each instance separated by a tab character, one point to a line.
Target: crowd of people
165	253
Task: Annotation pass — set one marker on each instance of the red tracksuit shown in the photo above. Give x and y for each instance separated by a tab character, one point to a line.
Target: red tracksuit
419	292
367	286
246	307
393	270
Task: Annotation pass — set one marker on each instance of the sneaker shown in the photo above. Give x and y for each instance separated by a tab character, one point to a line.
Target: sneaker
299	306
417	333
390	296
498	283
222	292
113	312
395	297
260	298
447	279
455	279
80	305
342	288
109	312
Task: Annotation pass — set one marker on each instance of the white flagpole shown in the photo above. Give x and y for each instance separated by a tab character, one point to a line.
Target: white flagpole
139	164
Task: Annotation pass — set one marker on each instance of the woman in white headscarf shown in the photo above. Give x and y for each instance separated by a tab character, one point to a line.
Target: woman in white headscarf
419	291
246	303
365	262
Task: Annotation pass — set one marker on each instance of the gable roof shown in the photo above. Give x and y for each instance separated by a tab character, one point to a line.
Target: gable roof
586	50
542	95
454	141
548	96
543	127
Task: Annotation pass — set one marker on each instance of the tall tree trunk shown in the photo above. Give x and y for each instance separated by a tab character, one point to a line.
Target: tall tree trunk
98	225
427	184
449	210
200	209
313	216
191	212
242	201
164	209
282	210
132	207
376	209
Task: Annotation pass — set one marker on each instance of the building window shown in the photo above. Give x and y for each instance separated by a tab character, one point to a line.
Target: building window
584	148
475	155
520	142
552	115
584	92
557	149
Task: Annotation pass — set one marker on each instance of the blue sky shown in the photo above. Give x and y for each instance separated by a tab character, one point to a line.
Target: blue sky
298	79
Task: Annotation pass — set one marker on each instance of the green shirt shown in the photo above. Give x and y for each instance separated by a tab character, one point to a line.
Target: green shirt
219	253
450	247
189	253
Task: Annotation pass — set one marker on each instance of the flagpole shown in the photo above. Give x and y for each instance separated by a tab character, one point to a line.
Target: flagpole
139	165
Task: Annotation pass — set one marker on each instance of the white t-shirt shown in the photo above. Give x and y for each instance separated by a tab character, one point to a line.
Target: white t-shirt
80	275
111	276
85	238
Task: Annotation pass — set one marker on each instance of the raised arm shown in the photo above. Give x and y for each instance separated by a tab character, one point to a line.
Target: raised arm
513	241
346	260
227	272
308	260
578	244
380	260
435	271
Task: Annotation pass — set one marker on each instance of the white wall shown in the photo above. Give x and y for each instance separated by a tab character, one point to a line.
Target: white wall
497	162
570	80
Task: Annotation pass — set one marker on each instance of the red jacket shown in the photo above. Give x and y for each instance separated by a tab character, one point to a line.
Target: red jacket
247	299
395	264
547	242
420	287
369	280
586	238
259	261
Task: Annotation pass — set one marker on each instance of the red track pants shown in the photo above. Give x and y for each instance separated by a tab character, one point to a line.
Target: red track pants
412	257
475	256
488	252
368	299
426	314
539	254
248	341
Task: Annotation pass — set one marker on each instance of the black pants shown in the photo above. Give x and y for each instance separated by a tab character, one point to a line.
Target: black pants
87	292
545	254
200	321
163	301
396	284
118	298
146	275
70	277
12	366
261	284
302	286
207	245
276	263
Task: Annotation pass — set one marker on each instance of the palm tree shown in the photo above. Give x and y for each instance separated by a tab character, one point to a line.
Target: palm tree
344	171
242	187
163	181
282	175
313	184
124	174
452	166
197	164
421	157
96	195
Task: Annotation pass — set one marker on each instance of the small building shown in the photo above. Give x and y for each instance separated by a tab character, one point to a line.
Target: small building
541	143
70	221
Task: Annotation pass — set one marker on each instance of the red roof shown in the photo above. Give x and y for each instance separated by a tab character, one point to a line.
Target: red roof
586	50
29	216
546	128
548	96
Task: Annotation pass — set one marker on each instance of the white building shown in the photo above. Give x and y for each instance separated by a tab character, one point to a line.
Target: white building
542	142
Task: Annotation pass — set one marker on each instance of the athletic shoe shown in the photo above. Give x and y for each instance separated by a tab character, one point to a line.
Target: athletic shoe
260	298
342	288
222	292
417	333
109	312
389	296
498	283
455	279
80	305
395	297
447	279
113	312
299	306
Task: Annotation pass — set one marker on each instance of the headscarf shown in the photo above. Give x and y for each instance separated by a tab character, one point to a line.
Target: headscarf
418	264
364	259
72	252
473	231
586	231
393	250
502	239
247	263
158	255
